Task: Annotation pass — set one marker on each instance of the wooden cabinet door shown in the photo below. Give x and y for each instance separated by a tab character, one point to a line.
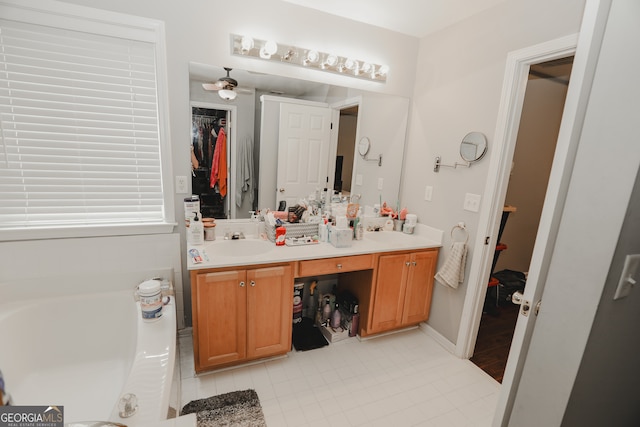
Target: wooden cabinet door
390	293
220	318
419	287
270	311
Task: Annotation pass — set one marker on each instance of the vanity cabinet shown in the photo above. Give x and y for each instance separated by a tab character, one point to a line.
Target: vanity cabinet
241	314
403	290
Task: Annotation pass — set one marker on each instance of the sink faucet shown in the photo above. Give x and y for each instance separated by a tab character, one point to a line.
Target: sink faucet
234	235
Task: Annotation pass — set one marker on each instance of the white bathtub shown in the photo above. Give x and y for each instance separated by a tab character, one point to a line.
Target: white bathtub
85	351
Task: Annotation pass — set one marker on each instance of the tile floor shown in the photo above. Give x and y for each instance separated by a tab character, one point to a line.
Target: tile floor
404	379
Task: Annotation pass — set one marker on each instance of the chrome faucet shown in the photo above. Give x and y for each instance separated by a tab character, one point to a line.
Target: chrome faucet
234	235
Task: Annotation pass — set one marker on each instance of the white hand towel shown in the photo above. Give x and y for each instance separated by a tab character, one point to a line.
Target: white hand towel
452	272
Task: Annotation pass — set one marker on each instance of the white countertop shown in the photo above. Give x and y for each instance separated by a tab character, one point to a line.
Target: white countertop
215	254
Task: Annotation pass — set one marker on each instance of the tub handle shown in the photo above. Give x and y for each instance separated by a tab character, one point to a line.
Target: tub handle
128	405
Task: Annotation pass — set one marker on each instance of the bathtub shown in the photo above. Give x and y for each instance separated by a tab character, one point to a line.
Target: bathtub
85	351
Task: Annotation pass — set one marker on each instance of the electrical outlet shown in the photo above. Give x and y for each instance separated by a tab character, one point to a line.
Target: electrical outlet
428	192
181	185
471	202
380	181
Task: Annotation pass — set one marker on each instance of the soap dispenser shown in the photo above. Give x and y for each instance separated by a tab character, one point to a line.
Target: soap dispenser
195	233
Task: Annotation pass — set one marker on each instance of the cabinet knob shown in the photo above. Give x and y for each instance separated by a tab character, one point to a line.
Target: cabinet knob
407	263
253	283
242	284
414	263
339	266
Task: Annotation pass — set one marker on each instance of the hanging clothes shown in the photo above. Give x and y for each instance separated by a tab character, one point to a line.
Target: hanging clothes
219	164
244	170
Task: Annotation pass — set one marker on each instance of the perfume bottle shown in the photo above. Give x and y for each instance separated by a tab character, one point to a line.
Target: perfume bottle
336	318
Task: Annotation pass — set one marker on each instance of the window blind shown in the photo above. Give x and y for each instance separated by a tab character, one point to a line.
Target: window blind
79	129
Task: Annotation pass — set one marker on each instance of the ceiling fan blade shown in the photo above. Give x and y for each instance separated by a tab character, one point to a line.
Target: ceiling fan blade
210	86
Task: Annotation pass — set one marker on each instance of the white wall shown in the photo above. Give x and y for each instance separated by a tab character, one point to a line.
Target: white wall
458	87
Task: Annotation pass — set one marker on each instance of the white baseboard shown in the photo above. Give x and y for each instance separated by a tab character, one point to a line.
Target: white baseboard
439	338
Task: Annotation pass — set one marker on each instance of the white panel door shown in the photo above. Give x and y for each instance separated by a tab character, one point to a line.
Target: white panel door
303	151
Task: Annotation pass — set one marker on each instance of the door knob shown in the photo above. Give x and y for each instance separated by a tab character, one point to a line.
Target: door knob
516	297
281	190
525	306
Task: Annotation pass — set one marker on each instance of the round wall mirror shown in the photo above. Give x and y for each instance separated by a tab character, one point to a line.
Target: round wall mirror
473	147
363	146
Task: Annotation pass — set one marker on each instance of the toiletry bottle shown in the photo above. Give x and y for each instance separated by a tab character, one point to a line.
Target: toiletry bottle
195	234
281	234
326	311
336	318
323	231
355	322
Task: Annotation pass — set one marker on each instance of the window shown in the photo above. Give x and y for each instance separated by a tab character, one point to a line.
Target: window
82	148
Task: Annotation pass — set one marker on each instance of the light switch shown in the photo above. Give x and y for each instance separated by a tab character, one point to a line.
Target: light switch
359	179
471	202
380	181
428	192
629	276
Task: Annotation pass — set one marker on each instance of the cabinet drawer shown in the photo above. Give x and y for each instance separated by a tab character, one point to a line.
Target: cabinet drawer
319	267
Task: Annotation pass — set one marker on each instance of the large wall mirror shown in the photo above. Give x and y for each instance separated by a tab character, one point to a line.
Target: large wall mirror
269	160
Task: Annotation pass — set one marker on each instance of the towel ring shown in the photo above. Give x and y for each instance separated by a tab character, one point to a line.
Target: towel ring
462	227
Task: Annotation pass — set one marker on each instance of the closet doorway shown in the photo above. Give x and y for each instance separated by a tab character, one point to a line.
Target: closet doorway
210	160
535	147
347	127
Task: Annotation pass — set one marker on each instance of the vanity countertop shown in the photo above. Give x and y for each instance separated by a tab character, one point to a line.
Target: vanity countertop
221	253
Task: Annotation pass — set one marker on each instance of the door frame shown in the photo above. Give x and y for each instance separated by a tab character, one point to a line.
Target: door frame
336	107
510	112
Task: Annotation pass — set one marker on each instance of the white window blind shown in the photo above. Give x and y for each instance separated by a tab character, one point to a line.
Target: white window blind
79	129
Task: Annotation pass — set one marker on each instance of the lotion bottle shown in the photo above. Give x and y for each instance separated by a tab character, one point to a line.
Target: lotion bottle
196	231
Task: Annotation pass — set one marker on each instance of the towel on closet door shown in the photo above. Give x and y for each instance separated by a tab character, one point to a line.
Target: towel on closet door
452	272
244	171
219	164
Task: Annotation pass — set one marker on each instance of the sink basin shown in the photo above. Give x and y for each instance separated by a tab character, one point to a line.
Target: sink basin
242	247
388	237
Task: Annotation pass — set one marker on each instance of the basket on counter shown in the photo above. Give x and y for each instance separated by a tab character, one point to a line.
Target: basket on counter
298	229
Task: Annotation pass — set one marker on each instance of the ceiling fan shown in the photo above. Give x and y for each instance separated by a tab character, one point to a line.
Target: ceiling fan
227	87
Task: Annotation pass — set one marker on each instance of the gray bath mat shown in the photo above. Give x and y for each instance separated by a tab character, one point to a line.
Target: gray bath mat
235	409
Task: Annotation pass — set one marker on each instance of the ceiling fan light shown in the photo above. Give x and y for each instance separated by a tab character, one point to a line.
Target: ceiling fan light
227	95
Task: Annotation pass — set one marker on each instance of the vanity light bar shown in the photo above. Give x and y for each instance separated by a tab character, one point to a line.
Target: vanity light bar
269	50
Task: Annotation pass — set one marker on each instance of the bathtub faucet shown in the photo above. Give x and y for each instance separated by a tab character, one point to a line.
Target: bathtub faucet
128	405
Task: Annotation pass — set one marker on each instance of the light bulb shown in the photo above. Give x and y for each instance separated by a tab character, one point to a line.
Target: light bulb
350	64
383	70
246	44
270	47
367	68
331	60
312	56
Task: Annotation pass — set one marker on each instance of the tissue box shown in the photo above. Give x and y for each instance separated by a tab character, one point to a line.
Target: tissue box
341	237
334	335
